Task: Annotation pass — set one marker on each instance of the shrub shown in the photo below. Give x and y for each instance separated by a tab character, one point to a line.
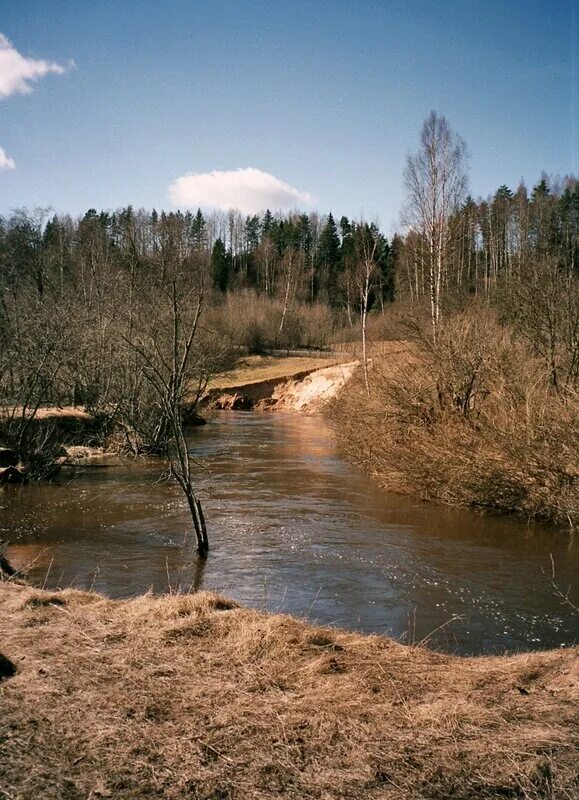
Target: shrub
254	323
470	420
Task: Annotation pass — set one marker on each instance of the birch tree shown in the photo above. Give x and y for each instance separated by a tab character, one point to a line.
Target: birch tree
435	179
288	270
366	245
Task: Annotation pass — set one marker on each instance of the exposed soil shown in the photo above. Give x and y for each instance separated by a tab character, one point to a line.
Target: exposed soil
306	391
193	697
257	369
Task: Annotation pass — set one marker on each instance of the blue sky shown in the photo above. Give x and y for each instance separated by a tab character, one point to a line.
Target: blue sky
327	97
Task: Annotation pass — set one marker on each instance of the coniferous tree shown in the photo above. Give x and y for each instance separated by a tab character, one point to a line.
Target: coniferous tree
266	223
396	258
568	228
385	276
199	232
56	248
220	266
328	263
348	268
305	234
251	231
252	228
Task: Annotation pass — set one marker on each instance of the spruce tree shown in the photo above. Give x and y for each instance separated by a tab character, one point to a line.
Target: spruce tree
252	226
267	223
305	234
220	266
199	231
251	235
347	245
385	270
328	262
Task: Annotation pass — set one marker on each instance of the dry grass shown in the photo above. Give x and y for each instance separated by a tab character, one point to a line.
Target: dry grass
471	420
193	697
396	349
48	412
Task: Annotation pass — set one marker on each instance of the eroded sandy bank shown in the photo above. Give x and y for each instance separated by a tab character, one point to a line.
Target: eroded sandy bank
306	391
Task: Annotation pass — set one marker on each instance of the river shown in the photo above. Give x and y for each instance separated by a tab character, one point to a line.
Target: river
294	529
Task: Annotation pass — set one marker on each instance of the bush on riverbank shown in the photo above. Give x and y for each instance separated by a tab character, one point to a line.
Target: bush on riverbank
40	437
473	419
193	697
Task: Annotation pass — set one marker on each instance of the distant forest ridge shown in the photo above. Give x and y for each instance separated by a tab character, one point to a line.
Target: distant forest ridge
489	241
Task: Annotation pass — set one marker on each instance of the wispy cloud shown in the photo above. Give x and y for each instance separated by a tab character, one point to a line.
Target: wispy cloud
17	72
249	190
5	161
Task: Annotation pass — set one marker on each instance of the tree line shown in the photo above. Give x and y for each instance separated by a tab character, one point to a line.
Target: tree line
454	244
493	241
313	254
465	245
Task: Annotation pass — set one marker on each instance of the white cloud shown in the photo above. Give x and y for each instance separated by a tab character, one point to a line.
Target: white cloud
249	190
18	72
5	161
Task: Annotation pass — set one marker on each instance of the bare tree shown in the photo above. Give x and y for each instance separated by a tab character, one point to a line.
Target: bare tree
436	180
164	346
288	270
366	253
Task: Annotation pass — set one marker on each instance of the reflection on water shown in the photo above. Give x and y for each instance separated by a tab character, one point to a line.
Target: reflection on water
293	529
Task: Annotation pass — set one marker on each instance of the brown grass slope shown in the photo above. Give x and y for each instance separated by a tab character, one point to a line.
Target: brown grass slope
193	697
470	420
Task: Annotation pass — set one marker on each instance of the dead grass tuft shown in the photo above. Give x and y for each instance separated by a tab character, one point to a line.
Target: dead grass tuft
43	600
195	697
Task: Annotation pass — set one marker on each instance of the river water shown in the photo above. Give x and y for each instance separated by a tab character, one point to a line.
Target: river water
293	529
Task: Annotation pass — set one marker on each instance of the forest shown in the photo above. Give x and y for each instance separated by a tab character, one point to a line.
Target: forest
298	261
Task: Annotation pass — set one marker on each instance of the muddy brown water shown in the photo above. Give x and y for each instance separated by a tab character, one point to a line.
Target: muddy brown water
294	529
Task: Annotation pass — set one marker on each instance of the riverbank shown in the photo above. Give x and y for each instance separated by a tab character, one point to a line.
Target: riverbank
194	697
469	420
263	383
71	436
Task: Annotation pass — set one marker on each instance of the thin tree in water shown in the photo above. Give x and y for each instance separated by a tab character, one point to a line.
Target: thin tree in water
164	355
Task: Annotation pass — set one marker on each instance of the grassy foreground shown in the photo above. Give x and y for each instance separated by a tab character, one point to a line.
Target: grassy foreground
193	697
